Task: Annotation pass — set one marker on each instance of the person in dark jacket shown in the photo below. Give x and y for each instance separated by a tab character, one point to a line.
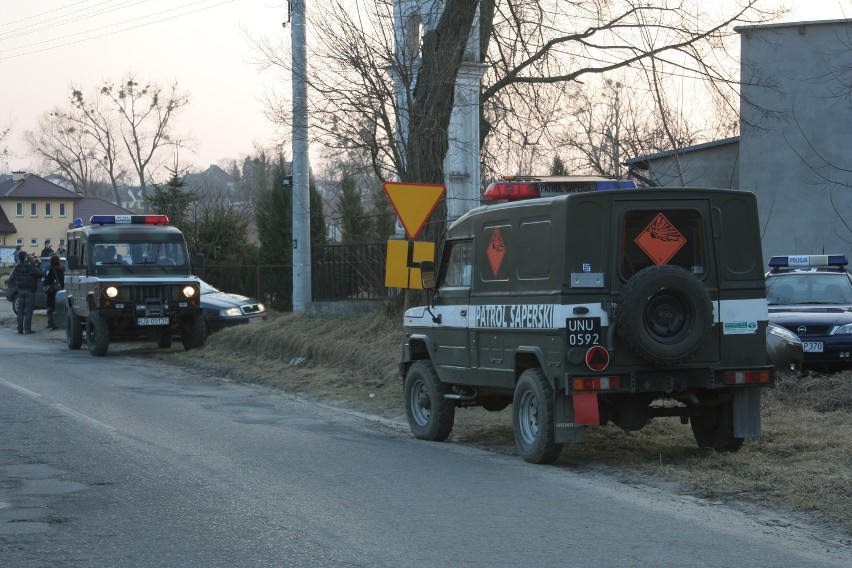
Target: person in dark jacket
54	275
26	275
47	250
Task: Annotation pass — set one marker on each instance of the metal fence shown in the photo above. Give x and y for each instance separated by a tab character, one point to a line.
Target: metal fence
338	273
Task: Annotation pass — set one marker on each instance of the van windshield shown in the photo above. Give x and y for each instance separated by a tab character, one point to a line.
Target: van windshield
135	257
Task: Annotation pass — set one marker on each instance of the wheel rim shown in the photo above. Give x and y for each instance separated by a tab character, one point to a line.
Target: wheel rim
421	404
528	417
667	317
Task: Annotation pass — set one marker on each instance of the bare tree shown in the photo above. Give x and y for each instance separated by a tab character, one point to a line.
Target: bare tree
101	128
145	116
64	146
531	50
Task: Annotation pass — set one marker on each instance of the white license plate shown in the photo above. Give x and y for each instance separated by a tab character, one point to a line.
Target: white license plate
812	346
256	319
152	321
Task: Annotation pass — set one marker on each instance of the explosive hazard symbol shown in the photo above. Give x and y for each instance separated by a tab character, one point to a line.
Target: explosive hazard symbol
660	240
496	251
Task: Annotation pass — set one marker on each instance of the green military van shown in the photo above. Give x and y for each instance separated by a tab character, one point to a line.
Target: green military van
129	277
584	301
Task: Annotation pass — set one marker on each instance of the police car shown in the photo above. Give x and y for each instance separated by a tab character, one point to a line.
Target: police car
130	277
582	301
811	295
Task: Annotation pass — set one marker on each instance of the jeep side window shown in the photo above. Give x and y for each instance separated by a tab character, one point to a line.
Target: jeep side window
662	236
459	264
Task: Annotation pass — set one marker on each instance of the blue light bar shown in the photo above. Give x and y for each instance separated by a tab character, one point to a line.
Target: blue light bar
808	261
128	220
615	184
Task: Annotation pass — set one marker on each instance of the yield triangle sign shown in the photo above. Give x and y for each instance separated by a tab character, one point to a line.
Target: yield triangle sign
413	203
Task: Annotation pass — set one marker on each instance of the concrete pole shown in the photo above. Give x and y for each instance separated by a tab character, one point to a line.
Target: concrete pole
301	164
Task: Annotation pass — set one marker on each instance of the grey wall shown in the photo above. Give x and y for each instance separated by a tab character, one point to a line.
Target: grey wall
796	134
707	165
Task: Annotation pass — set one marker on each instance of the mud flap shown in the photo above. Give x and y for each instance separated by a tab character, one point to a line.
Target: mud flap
747	413
565	430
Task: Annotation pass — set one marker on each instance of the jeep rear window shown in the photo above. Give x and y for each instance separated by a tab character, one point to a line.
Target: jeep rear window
662	236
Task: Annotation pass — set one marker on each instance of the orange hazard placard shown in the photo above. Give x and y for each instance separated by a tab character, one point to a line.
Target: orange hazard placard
660	240
496	251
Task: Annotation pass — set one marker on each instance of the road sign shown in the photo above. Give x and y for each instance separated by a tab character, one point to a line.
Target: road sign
402	268
413	203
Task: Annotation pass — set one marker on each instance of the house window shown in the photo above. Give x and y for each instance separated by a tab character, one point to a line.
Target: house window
33	242
62	210
19	211
33	209
48	209
19	241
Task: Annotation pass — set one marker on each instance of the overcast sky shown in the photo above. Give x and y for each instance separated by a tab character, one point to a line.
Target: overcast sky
46	45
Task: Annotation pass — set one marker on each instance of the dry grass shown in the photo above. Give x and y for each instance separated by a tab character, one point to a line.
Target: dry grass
803	461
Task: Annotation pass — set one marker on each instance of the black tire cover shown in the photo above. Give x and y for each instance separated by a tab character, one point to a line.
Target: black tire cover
664	314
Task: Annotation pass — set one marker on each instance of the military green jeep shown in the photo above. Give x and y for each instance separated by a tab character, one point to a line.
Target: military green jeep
584	301
129	277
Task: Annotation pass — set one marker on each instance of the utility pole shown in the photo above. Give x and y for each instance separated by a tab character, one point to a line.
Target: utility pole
301	163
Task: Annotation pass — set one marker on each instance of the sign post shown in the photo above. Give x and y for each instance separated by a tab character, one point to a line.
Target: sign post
414	203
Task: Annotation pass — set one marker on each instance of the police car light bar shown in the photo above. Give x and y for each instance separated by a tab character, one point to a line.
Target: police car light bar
807	261
129	220
529	189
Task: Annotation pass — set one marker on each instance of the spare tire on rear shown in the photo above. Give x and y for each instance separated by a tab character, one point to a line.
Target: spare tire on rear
664	314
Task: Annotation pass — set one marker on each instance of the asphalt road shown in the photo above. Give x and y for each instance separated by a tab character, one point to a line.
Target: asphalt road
124	461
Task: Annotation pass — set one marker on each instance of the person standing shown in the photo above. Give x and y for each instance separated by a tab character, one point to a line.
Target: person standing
61	252
47	250
54	281
26	275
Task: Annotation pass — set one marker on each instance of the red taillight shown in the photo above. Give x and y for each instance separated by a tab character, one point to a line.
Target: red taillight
511	191
746	377
596	383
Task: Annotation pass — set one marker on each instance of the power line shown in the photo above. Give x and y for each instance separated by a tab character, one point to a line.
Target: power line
24	31
46	13
5	58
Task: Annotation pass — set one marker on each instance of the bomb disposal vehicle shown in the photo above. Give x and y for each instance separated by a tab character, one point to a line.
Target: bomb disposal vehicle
129	277
584	301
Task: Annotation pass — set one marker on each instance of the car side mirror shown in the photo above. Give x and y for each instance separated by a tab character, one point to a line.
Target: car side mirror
427	275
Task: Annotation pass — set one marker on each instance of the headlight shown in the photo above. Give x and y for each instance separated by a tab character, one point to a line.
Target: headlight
261	308
842	329
189	291
785	334
230	312
111	292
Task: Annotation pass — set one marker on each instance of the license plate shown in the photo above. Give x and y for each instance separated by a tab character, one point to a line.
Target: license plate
256	319
583	332
152	321
812	346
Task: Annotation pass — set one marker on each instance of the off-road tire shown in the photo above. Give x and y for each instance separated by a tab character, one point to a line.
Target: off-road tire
430	414
194	333
664	314
97	334
532	418
73	330
165	340
713	428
